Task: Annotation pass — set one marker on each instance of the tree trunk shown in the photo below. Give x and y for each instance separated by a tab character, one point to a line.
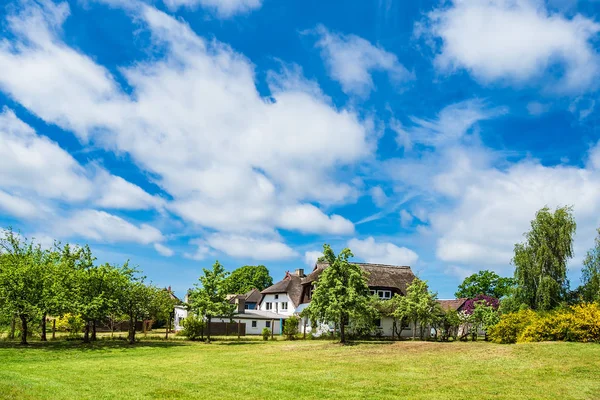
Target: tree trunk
132	322
86	332
393	328
94	330
342	330
414	330
43	338
24	330
13	326
208	329
168	328
54	329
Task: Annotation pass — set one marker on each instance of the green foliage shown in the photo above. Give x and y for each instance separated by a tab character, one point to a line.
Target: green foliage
419	306
341	292
579	323
449	323
266	333
209	299
71	323
541	261
484	317
193	327
248	277
290	327
590	273
485	282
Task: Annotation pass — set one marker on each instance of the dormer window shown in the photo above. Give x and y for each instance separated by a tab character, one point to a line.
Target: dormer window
276	296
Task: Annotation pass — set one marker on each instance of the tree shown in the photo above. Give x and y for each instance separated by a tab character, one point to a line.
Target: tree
590	273
139	300
485	282
290	327
209	299
248	277
541	261
341	291
419	305
21	270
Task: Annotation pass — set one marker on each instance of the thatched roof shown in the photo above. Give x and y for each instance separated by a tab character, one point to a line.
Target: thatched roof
380	275
452	304
291	285
253	296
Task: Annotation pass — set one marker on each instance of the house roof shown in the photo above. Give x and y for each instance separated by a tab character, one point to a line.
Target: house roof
380	275
260	314
172	295
452	304
253	296
290	284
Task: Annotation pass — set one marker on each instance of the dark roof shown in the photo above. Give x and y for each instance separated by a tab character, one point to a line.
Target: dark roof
253	296
380	275
290	284
452	304
172	295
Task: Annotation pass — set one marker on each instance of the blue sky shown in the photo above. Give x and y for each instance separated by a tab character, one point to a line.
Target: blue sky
176	132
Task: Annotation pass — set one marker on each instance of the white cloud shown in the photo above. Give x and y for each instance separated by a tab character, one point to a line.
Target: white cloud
257	248
121	194
378	195
351	60
515	41
537	108
223	8
234	172
459	272
311	257
105	227
163	250
406	218
202	250
18	206
383	252
307	218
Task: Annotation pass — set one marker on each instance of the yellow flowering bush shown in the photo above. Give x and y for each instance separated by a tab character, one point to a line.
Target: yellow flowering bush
579	323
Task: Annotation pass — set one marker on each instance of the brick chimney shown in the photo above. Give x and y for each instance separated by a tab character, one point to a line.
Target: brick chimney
300	272
241	305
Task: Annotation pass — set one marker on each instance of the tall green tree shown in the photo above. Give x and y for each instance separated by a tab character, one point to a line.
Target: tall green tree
485	282
341	292
541	260
248	277
209	298
420	305
21	286
590	273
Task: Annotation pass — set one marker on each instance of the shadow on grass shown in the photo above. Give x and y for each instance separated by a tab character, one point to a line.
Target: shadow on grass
98	345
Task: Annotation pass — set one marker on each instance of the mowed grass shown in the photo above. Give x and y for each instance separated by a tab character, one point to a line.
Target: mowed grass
301	369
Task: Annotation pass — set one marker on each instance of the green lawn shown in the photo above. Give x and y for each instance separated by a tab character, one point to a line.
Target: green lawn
302	369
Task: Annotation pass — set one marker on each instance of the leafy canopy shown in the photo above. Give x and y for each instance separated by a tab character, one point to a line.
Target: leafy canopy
248	277
541	260
485	282
590	273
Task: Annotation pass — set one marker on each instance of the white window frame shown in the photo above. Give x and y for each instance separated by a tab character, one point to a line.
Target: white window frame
268	306
254	324
284	305
268	324
276	296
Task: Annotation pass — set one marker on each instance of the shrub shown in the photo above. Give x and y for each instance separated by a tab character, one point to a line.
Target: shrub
71	323
580	323
511	326
290	327
266	333
193	327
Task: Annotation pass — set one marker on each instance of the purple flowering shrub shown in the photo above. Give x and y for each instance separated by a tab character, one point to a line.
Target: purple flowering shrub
487	300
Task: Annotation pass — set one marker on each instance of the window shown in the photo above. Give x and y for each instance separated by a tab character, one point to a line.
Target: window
246	306
382	294
378	323
254	324
276	296
268	324
284	305
269	306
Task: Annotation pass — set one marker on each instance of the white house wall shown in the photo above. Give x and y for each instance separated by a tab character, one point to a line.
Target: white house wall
282	297
180	314
260	325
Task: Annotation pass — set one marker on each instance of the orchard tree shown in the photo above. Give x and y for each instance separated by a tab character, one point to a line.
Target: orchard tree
21	285
590	273
541	260
209	298
341	292
139	301
248	277
485	282
420	305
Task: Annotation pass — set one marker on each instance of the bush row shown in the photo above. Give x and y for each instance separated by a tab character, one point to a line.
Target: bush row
579	323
